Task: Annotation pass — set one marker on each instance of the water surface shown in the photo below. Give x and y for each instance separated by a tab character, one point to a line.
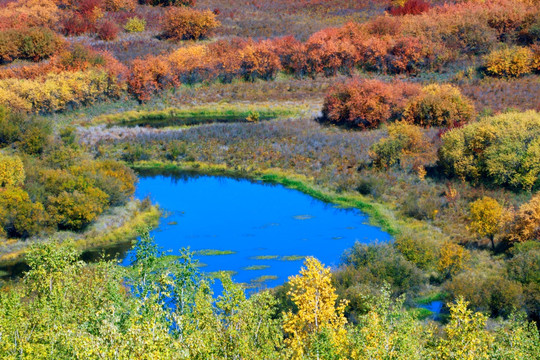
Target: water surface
264	230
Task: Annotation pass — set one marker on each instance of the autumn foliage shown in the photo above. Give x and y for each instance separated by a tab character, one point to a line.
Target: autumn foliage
184	23
364	104
30	43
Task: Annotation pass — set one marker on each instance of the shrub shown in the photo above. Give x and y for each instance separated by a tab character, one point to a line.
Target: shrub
57	92
148	76
11	171
112	177
328	52
76	24
135	24
108	31
258	60
525	224
20	216
184	23
364	104
29	13
410	7
292	55
223	57
502	149
170	2
509	62
117	5
192	64
73	211
32	44
439	105
406	146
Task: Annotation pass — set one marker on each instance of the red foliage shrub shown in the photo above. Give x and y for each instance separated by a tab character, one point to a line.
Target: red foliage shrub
148	76
76	24
411	7
107	30
364	104
89	8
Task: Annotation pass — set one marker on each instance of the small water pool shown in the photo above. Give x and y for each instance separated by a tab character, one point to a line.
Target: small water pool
258	232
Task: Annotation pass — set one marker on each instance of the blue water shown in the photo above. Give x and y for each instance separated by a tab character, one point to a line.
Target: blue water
252	219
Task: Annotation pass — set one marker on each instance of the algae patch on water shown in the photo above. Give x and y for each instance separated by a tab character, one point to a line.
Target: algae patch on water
292	258
214	252
264	257
256	267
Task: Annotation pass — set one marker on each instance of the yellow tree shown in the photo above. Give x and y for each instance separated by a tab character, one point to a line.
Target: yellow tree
318	316
486	215
453	258
466	335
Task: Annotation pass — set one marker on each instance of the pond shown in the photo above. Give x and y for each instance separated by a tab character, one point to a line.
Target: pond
258	232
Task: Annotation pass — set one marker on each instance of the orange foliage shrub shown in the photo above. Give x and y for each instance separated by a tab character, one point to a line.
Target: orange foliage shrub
184	23
258	60
525	224
29	13
148	76
292	55
117	5
328	52
227	63
77	58
364	104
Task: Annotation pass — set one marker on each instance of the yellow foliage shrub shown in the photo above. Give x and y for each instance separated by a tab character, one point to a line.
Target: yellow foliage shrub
11	171
509	62
58	91
439	105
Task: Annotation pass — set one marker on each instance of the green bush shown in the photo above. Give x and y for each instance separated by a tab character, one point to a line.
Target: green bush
441	106
135	24
503	149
